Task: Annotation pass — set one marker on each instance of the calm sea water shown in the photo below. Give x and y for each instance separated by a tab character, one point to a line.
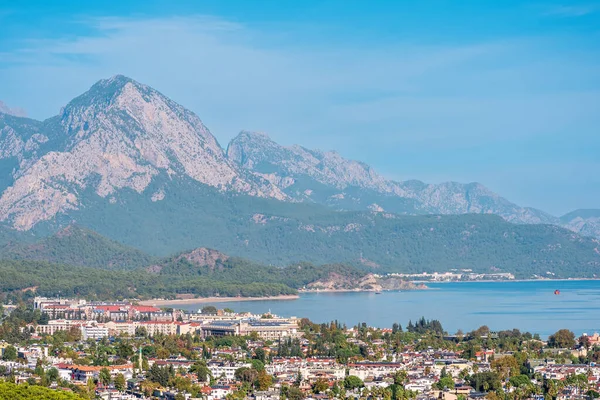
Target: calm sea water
528	306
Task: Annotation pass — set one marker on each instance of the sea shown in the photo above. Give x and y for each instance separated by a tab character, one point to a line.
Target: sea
530	306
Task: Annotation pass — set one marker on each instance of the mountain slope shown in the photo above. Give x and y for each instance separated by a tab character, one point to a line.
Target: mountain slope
280	233
584	222
120	134
327	178
74	245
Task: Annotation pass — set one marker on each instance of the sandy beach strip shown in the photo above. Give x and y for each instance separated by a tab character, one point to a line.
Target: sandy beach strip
204	300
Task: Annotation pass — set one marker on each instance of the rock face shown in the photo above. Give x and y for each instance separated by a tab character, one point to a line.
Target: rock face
364	283
203	257
326	177
118	135
584	222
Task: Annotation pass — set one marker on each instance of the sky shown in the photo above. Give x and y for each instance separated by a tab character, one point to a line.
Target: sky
505	93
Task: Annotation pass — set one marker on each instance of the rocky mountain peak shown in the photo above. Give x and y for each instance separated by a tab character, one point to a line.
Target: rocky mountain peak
245	146
256	151
103	94
121	134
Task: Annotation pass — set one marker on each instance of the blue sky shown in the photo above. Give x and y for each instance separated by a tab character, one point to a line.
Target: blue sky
506	93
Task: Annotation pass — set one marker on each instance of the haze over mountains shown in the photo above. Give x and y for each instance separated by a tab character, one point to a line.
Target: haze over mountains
131	164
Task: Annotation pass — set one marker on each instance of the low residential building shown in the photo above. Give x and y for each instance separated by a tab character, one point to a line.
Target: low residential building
221	369
82	373
374	370
94	332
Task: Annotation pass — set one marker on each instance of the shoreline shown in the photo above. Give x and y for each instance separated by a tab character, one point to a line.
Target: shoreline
214	299
514	280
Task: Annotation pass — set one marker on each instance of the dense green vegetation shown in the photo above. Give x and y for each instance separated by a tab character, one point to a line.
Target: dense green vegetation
241	271
11	391
94	283
77	246
235	277
282	233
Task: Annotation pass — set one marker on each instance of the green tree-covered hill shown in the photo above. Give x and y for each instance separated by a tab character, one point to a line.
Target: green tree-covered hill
77	246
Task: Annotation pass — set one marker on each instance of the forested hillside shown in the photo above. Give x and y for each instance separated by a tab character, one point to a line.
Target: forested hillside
93	283
279	233
77	246
235	277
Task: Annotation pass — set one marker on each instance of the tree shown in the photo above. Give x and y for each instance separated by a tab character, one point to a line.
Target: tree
10	354
444	373
124	350
520	381
201	371
353	382
592	394
44	319
294	393
481	331
246	374
209	310
160	375
506	366
52	375
141	331
584	341
320	386
400	378
563	338
264	380
105	377
259	354
257	365
120	383
445	382
485	381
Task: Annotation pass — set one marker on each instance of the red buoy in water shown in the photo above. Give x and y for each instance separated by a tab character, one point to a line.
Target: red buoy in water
557	291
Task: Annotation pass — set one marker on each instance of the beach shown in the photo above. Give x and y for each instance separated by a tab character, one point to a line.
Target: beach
204	300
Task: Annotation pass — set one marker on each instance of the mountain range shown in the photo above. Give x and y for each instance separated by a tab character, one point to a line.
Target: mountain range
131	164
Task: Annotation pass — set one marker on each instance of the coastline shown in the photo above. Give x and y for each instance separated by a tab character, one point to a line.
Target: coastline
203	300
514	280
415	289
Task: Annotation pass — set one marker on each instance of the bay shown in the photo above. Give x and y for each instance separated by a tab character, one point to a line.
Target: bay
529	306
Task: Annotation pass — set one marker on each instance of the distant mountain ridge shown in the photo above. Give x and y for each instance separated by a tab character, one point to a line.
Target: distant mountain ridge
328	178
584	222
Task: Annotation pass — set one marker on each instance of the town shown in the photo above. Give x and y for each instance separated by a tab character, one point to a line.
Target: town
120	350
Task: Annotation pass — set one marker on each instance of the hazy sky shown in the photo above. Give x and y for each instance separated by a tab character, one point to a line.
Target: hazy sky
506	93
